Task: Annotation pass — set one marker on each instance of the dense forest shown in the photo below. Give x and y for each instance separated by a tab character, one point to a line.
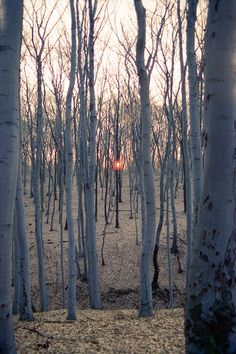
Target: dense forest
117	176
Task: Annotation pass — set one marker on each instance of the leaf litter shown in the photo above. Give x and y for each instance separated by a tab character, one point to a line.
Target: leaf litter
117	328
102	331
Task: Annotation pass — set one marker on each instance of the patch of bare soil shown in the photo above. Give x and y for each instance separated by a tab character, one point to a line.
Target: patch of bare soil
110	331
119	277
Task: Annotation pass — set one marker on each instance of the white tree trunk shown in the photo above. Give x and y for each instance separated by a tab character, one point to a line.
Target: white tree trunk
89	188
69	172
211	294
195	141
146	303
25	289
187	169
38	192
82	139
11	14
16	269
169	255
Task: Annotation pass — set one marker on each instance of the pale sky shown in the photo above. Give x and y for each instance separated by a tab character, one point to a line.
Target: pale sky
119	13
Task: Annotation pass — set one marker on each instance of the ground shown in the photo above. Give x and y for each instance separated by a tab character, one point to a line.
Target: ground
116	329
119	278
108	332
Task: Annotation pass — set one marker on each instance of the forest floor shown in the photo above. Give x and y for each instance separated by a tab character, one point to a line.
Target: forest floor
108	332
117	329
119	277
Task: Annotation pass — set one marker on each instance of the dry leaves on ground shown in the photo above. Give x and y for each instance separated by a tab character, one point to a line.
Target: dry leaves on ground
110	331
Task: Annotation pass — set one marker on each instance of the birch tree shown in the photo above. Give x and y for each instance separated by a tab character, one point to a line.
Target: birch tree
149	227
195	142
82	149
58	136
38	23
25	309
186	157
89	187
211	294
11	14
69	172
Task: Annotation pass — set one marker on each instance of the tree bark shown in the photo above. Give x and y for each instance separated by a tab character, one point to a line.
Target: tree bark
211	294
69	172
38	192
195	141
186	157
11	15
22	240
89	187
146	303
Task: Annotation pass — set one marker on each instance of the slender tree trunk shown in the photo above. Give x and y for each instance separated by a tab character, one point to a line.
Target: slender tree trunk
16	269
195	141
61	202
54	193
161	220
146	304
38	193
211	294
187	170
82	139
25	289
169	255
25	309
174	248
117	225
49	191
69	172
89	188
11	15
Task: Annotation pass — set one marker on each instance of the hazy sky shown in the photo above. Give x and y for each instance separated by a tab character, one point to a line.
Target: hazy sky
119	13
